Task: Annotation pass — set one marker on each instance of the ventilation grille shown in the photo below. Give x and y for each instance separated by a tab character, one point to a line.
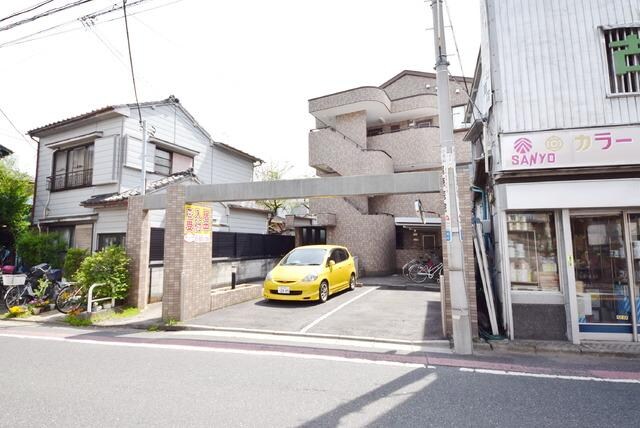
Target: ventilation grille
622	46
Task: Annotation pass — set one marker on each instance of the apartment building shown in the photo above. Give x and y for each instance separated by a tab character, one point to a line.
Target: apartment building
387	129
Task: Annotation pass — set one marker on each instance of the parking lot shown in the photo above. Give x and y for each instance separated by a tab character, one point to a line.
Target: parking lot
380	312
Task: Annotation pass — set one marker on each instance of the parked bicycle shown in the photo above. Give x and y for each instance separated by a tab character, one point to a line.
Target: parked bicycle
21	294
70	298
421	269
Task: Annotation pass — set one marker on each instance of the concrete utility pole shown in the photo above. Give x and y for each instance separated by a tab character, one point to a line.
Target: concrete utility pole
143	189
459	303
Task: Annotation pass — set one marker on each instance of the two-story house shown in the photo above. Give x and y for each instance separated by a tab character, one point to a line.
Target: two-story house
88	165
388	129
556	98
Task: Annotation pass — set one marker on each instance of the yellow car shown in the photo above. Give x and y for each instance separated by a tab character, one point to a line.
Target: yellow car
312	272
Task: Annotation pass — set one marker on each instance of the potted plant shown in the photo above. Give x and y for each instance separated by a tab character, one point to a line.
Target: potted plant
39	301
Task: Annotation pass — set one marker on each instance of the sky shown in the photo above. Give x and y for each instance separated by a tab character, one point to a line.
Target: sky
243	68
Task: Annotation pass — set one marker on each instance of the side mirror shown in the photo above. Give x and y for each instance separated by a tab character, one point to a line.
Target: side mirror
332	263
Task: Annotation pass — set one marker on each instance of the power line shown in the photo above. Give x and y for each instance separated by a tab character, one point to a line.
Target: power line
455	44
29	9
16	128
30	37
43	14
133	76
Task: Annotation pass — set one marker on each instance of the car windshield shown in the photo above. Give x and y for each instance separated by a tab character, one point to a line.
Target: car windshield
304	257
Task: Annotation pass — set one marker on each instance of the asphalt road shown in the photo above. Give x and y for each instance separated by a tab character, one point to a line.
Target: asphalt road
50	380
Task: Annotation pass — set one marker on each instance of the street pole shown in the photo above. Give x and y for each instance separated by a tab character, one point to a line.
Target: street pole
144	158
459	305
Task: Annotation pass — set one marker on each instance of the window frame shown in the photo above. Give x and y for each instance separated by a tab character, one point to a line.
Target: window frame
99	243
605	56
155	161
87	178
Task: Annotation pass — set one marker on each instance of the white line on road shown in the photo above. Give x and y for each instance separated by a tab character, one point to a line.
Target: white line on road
547	376
328	314
218	350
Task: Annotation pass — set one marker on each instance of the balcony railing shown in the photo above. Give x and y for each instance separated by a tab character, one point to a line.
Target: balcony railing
70	180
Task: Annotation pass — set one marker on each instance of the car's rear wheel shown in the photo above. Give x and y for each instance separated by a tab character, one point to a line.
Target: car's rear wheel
323	292
352	282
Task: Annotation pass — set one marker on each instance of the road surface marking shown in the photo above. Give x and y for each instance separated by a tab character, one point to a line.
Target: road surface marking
547	376
328	314
218	350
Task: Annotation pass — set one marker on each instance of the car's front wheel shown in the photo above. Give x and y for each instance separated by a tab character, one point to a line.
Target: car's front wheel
352	282
323	292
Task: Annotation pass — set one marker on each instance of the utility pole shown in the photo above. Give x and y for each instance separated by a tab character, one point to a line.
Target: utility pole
459	304
144	157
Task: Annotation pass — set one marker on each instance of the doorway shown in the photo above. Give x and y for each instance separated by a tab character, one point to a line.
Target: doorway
604	249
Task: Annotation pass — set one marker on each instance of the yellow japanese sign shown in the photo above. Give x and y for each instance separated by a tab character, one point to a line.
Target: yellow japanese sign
197	223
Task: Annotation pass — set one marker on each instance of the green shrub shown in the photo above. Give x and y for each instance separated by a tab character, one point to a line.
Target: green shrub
76	321
72	262
109	266
35	247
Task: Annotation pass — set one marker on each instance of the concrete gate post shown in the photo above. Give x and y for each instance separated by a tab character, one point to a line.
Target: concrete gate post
187	265
137	246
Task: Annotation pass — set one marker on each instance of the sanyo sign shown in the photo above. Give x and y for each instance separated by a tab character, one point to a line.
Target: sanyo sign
571	148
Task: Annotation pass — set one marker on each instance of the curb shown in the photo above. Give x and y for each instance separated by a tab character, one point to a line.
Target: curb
438	342
510	347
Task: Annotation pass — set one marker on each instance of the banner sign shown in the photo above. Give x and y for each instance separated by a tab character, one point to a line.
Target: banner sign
197	223
571	148
447	163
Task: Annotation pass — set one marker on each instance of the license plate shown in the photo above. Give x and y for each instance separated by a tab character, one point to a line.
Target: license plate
283	290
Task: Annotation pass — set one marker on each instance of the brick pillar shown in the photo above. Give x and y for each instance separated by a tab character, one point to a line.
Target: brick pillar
187	265
137	244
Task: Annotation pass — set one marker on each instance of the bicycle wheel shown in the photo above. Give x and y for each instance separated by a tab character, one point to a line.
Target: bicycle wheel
13	297
417	273
69	299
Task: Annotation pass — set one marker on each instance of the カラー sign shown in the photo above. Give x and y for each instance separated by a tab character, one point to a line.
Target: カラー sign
571	148
197	223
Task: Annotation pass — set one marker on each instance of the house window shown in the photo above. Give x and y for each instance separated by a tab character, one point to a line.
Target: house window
162	162
399	238
394	128
622	47
424	123
108	239
458	117
72	168
66	232
372	132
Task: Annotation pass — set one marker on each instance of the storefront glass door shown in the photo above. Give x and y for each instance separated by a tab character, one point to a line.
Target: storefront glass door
602	278
634	235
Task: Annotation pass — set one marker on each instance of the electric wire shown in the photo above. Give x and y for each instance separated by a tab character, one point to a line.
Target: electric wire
30	37
133	75
16	128
44	14
455	43
23	11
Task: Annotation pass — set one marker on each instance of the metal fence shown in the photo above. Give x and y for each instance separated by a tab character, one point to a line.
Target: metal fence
232	245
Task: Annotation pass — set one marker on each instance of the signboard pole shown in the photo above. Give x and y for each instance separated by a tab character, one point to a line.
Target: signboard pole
459	305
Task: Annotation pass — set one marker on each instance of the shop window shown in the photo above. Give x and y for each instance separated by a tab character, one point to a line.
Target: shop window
623	59
533	261
108	239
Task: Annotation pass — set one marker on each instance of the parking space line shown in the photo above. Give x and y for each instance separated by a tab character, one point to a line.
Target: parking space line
328	314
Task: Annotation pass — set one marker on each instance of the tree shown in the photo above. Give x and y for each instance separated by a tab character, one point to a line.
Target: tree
16	189
273	171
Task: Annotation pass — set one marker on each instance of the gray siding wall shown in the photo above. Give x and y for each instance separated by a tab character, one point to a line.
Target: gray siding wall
247	221
66	202
551	66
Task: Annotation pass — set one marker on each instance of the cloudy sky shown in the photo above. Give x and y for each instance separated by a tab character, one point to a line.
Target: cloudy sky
244	68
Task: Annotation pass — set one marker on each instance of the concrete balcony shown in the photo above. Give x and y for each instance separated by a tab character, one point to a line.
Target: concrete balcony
326	219
331	151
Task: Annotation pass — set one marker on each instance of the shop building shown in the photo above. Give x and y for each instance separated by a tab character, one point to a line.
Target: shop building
556	148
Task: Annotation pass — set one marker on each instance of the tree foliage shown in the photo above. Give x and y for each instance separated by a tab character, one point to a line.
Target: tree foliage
73	260
16	190
35	247
273	171
109	266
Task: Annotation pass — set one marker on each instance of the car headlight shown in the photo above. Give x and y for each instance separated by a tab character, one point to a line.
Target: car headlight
269	276
310	277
